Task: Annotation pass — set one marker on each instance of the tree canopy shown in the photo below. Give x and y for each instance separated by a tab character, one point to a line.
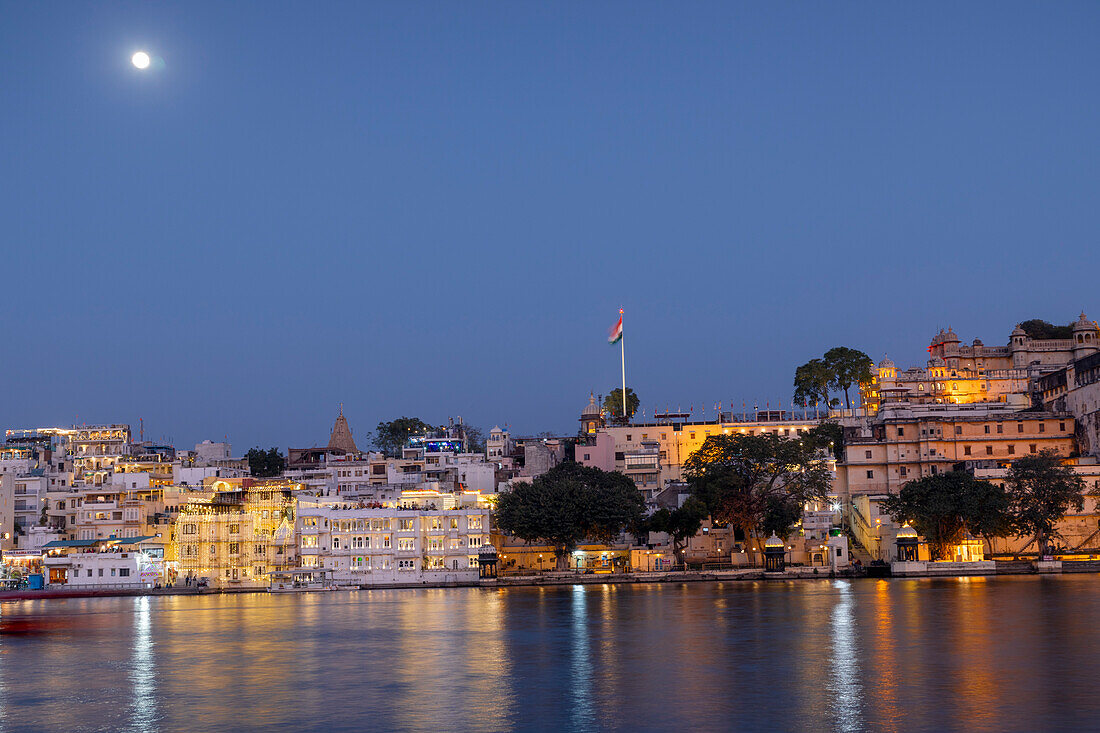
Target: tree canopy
757	482
613	403
568	504
390	437
847	367
836	371
680	524
1037	328
811	384
1040	491
943	507
265	463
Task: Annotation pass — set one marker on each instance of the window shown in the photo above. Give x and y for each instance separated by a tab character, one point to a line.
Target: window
629	437
475	540
870	474
474	523
989	450
472	561
1019	427
406	564
309	540
124	572
958	430
435	543
190	529
234	529
587	457
405	525
1000	428
932	451
309	521
213	550
406	544
1011	450
903	471
336	543
386	542
867	454
966	450
360	543
454	522
436	523
1032	448
1042	427
1062	427
901	432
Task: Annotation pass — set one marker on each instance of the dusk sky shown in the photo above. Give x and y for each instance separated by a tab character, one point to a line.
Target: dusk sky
437	209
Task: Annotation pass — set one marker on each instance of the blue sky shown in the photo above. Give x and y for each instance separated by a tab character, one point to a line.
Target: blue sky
436	209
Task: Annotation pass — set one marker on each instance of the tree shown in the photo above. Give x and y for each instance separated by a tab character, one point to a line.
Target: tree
811	384
265	463
1037	328
390	437
1040	491
680	524
475	439
847	367
567	504
613	403
943	507
754	480
828	436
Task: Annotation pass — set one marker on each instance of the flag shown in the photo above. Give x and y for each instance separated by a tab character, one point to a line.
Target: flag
615	335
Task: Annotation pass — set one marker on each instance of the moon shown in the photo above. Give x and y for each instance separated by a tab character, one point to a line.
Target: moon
140	60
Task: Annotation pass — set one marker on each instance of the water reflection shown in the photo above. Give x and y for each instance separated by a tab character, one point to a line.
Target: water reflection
914	655
845	687
142	673
581	664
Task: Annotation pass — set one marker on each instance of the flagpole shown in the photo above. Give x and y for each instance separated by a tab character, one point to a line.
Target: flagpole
622	354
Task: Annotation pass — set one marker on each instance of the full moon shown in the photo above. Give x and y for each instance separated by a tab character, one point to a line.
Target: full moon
140	60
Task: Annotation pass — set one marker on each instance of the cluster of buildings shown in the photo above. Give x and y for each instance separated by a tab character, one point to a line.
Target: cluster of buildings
90	506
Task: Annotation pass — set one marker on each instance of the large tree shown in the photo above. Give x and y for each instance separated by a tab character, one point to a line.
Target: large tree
680	524
265	463
1041	490
943	507
847	367
390	437
568	504
613	403
753	481
1037	328
811	384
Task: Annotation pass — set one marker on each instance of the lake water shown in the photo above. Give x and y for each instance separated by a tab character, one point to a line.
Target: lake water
993	654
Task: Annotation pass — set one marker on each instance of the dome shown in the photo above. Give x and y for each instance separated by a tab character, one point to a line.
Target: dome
886	363
591	409
773	542
906	532
978	342
1018	331
950	337
1083	324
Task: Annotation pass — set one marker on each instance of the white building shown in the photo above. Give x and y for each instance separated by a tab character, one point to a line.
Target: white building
389	546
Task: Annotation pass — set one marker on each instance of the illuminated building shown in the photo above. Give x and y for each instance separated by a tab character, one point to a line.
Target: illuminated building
1076	389
235	531
904	442
963	374
111	563
653	453
386	545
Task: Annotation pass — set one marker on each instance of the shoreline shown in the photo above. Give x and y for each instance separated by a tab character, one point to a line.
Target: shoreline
986	569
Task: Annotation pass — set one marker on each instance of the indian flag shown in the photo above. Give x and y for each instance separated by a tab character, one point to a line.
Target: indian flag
615	335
